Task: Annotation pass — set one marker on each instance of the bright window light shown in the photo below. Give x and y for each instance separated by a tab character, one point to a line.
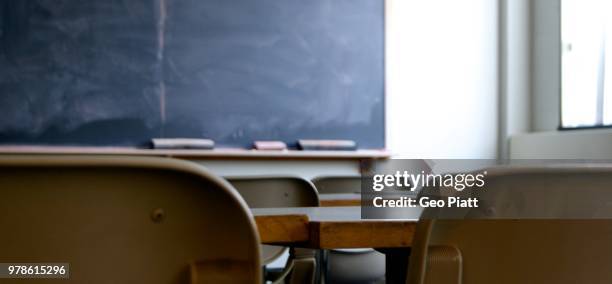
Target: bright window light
586	34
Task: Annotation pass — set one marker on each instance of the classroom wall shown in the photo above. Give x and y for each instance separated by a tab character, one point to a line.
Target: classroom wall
441	84
515	70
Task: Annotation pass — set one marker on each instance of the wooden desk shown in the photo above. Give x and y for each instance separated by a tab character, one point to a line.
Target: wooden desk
339	227
340	199
331	227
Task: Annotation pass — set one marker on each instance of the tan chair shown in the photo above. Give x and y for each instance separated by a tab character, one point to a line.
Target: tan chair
364	265
337	184
269	192
566	239
126	220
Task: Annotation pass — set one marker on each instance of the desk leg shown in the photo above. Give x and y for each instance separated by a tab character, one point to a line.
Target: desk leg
396	264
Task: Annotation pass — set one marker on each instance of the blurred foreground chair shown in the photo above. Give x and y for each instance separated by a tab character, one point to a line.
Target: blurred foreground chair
549	224
126	220
364	265
270	192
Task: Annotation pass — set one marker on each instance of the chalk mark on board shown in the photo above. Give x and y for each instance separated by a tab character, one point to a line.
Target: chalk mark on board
161	27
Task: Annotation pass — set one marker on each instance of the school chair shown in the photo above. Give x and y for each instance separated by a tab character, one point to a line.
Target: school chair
270	192
363	265
337	184
546	224
120	219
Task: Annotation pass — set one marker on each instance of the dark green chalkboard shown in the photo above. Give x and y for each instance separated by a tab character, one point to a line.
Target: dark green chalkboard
120	72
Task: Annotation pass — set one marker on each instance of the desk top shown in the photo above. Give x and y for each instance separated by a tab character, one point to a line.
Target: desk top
332	227
330	214
340	199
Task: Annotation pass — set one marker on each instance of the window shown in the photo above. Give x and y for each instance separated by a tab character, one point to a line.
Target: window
586	34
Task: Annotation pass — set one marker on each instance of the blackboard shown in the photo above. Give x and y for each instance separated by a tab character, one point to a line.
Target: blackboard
120	72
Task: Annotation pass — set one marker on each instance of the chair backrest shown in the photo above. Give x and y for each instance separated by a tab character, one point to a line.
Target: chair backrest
126	220
556	248
270	191
338	184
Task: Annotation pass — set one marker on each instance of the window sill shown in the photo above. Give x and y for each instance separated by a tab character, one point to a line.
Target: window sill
564	144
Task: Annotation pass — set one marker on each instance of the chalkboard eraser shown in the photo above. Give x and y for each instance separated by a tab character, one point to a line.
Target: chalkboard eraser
335	145
270	145
182	143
